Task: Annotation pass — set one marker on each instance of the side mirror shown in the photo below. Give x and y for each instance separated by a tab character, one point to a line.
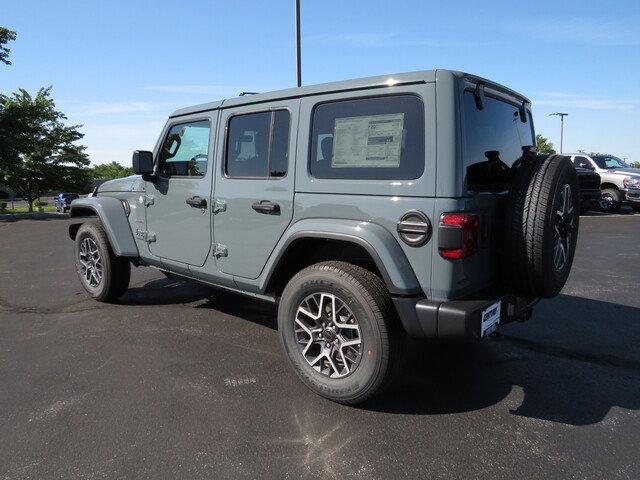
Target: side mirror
142	162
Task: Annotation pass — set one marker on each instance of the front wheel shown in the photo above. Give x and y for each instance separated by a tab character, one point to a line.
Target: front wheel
340	331
610	200
103	275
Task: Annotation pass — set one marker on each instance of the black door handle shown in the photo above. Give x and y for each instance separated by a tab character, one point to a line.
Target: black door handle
265	206
197	202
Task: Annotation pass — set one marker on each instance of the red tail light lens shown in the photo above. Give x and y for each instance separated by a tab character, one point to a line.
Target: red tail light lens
458	235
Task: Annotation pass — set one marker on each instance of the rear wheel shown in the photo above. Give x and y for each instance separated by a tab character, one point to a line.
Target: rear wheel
610	200
103	275
340	331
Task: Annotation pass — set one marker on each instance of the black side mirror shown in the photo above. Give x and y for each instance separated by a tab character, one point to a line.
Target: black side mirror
142	162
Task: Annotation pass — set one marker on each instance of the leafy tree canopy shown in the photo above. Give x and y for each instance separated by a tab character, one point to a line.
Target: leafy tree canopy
111	170
37	149
544	145
6	35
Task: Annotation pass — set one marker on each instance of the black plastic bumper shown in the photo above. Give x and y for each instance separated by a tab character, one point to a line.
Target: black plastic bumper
458	320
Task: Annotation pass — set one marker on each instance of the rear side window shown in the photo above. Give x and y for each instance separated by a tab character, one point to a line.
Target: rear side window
258	145
493	141
372	138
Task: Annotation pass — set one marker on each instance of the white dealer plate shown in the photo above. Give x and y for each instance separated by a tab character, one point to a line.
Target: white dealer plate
490	319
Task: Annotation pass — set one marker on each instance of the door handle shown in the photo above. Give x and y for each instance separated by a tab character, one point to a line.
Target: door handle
265	206
197	202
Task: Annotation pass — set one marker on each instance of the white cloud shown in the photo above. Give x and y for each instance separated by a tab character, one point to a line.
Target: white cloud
215	90
379	40
109	108
570	100
107	142
599	32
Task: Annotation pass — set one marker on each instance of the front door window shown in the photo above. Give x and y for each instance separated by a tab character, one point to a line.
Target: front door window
185	150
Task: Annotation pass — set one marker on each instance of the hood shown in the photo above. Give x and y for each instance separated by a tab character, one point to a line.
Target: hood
126	184
626	171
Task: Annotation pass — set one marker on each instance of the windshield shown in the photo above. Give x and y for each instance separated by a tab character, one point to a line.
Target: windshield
609	161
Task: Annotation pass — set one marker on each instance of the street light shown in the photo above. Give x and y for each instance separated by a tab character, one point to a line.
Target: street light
298	51
561	115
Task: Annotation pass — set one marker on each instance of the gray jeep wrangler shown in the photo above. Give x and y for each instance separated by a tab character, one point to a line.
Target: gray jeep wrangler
368	209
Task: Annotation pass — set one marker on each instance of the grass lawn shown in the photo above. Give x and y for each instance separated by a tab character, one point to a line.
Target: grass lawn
47	208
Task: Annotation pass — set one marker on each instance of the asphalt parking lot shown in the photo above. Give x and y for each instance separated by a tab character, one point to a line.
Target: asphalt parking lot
180	381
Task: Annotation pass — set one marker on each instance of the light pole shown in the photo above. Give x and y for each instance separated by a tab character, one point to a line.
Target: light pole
561	115
298	51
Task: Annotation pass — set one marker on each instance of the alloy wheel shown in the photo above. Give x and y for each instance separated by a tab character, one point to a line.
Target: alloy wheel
564	227
328	335
606	202
90	262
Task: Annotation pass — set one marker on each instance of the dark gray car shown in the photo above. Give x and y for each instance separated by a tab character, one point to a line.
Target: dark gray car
369	209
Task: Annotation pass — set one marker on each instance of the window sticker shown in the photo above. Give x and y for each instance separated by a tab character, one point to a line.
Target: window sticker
372	141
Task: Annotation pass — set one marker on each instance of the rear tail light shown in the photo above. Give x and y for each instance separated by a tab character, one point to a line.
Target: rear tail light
458	236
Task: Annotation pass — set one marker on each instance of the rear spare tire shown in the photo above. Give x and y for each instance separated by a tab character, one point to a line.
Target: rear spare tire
543	212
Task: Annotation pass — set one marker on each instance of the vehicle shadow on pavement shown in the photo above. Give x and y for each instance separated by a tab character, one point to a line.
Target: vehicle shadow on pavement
573	373
166	291
10	218
174	290
570	364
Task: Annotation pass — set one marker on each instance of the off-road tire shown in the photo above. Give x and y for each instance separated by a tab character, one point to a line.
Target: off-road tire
534	199
367	297
614	204
116	271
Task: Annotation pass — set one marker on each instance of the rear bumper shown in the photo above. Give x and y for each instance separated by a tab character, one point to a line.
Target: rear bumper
456	320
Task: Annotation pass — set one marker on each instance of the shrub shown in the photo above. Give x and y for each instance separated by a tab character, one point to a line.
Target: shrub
3	206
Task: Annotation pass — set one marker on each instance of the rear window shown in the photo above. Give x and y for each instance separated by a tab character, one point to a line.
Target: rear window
493	141
378	138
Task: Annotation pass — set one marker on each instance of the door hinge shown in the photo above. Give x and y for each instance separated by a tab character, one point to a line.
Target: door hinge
219	206
220	250
148	237
146	200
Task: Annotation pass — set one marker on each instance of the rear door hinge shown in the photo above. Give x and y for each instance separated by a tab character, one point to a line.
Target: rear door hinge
219	206
220	250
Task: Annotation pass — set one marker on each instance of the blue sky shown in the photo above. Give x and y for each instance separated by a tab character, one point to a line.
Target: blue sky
120	67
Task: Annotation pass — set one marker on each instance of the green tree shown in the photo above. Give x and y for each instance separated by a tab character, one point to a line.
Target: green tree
544	145
38	151
6	35
111	170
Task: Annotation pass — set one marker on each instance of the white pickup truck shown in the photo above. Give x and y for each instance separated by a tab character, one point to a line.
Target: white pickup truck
619	182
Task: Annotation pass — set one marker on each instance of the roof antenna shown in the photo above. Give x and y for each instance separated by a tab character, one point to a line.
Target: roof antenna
242	94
